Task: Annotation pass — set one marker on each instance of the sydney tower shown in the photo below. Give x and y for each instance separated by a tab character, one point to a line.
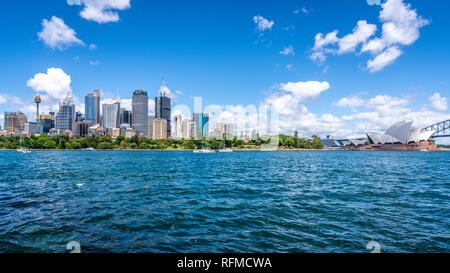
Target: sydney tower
37	100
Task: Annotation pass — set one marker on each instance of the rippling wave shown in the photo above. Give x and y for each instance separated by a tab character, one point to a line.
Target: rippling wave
138	201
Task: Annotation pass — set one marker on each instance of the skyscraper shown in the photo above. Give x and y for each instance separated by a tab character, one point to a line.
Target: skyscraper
92	107
229	130
151	118
163	107
46	122
159	128
111	115
140	112
177	126
186	129
66	114
15	122
201	121
125	116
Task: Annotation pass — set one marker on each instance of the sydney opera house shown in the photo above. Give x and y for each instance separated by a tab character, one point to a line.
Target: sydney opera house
400	137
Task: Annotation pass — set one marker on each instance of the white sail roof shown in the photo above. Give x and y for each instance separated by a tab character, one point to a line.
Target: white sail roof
358	142
378	138
402	132
424	136
414	135
391	131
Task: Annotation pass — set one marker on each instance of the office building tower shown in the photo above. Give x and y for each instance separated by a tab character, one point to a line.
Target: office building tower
129	133
140	112
111	115
163	107
66	115
151	118
92	107
80	129
186	129
202	125
31	128
125	116
159	129
218	131
15	122
228	130
193	132
123	129
177	126
46	122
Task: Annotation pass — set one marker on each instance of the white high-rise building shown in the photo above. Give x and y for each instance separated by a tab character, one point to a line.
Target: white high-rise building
151	118
111	115
186	129
177	130
228	129
159	128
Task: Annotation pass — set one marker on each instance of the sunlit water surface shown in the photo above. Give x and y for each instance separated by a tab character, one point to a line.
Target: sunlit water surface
139	201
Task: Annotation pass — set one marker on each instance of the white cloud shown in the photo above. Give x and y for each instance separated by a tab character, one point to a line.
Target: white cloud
439	103
352	102
57	35
74	2
262	24
382	111
94	63
374	2
303	10
384	59
53	86
92	47
55	83
289	67
165	90
295	116
128	103
9	99
103	11
288	51
305	90
361	33
400	27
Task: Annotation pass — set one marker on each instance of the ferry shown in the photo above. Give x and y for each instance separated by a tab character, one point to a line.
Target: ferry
204	151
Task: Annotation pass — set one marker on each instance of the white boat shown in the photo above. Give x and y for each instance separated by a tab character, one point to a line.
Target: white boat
89	149
227	150
204	151
24	150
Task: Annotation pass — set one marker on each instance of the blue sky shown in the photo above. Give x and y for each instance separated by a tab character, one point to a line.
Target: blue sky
237	53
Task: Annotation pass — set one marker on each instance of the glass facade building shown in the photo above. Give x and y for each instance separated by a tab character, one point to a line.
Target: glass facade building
66	115
163	109
111	115
92	107
140	112
126	117
201	121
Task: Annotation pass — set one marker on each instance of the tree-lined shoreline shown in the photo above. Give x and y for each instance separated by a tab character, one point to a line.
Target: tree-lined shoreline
64	142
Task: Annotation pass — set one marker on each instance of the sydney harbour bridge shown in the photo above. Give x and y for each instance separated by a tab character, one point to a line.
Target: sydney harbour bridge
441	129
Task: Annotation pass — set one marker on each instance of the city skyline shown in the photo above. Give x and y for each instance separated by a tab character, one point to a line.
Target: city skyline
297	57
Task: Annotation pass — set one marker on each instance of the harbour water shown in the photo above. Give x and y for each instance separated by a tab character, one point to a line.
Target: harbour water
157	201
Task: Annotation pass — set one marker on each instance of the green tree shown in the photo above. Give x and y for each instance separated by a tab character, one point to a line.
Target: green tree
316	143
49	144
